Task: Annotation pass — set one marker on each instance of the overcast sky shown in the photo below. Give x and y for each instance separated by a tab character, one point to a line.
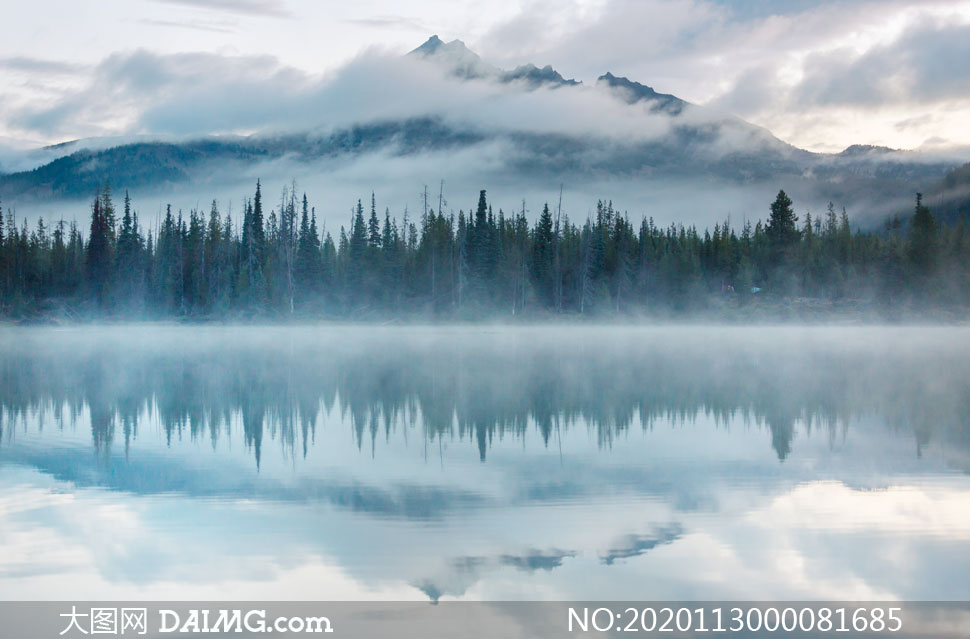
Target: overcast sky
821	75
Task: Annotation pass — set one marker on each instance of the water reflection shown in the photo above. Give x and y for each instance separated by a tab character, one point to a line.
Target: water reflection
487	462
481	385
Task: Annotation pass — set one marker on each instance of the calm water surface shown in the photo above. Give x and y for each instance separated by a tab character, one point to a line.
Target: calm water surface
485	463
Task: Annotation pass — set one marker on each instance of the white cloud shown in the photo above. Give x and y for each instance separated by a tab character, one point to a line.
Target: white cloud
761	60
819	74
144	93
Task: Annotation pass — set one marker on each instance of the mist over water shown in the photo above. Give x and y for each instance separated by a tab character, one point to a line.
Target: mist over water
485	462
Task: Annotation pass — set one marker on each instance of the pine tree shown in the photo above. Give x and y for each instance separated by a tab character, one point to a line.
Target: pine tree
542	256
108	210
317	265
212	269
250	282
780	229
127	257
3	261
257	227
782	236
194	262
923	240
478	239
59	261
373	225
307	251
357	252
98	259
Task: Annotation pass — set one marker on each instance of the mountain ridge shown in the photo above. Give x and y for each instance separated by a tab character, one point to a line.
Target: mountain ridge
466	64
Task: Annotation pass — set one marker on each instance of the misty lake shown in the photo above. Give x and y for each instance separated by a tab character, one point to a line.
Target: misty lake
481	462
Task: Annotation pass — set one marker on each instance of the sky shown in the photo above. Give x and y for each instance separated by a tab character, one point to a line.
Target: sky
820	75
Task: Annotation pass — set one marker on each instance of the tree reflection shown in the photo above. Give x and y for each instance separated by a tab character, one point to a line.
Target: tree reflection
477	389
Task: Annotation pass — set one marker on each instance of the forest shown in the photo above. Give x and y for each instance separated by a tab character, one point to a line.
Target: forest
475	264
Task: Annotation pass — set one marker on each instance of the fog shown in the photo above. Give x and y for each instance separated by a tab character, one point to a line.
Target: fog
398	180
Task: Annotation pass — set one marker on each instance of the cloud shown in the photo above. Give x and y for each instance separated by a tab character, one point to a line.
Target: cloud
193	94
888	86
197	25
749	9
819	73
784	65
39	65
126	94
623	36
263	8
390	21
915	121
922	66
636	545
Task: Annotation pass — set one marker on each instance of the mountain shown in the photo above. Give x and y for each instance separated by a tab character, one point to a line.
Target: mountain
949	198
633	92
514	129
866	150
464	63
166	164
535	77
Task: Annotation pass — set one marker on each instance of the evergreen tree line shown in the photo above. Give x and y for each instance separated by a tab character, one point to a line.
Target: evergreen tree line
467	264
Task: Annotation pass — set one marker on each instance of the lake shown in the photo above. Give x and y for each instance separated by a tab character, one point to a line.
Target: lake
485	462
